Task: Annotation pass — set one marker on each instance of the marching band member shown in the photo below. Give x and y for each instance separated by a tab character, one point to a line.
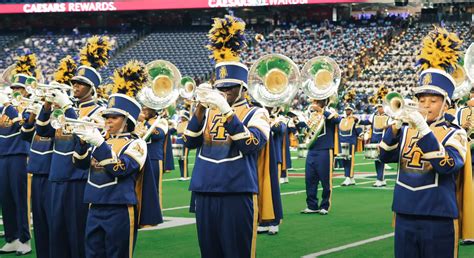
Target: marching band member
183	158
348	133
39	163
431	153
228	139
274	143
68	182
320	157
379	123
168	159
155	143
117	172
13	160
289	128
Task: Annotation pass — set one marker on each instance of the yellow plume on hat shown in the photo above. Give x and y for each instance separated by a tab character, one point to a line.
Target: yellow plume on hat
130	78
226	39
441	50
66	70
26	64
96	52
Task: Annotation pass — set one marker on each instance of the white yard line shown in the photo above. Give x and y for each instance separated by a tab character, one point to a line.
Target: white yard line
175	208
344	247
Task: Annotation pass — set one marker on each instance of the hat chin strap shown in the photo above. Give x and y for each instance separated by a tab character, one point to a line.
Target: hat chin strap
124	124
240	94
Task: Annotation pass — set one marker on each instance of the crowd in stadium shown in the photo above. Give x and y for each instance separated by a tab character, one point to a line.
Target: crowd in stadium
370	52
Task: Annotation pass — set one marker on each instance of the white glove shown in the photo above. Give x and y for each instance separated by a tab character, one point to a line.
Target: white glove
61	98
216	99
35	108
4	99
94	137
418	120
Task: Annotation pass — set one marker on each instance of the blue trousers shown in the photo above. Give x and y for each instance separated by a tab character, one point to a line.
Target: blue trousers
69	214
349	163
226	224
111	231
380	169
41	208
318	169
13	195
422	236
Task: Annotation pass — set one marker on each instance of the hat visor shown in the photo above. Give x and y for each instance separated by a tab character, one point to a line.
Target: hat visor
229	83
17	85
428	89
115	111
82	80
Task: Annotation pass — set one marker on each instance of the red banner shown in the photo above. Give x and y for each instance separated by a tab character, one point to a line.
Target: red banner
150	5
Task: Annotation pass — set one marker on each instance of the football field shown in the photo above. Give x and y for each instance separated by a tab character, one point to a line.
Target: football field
359	223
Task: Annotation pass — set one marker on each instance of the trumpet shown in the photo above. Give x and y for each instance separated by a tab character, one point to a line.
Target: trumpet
397	107
18	99
44	90
187	88
71	125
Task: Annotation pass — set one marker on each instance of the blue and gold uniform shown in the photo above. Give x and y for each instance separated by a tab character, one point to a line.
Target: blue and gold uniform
319	163
155	144
39	162
13	175
348	133
183	158
225	177
274	155
120	190
115	167
67	181
432	162
378	122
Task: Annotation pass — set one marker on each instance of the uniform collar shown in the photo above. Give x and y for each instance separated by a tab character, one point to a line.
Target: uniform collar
120	135
240	103
438	122
85	103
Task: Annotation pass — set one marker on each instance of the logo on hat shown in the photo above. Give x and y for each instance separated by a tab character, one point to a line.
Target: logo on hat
111	103
223	72
427	79
81	72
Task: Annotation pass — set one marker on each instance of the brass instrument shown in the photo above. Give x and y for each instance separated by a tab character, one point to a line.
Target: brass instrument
187	88
398	108
321	77
163	90
71	125
273	80
45	90
18	99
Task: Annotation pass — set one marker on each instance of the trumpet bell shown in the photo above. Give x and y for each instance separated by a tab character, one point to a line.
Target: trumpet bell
395	103
321	77
187	87
273	80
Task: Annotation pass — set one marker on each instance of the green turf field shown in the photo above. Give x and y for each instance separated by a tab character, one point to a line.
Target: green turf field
358	213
